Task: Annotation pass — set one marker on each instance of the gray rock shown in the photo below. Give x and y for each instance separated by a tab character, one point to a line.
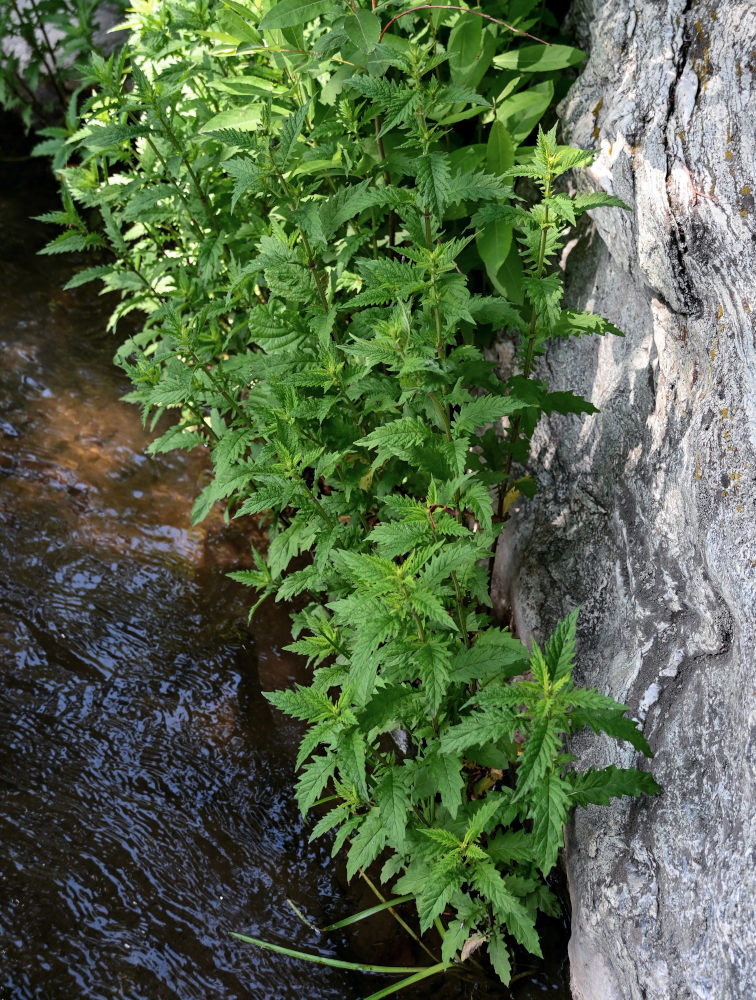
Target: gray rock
646	514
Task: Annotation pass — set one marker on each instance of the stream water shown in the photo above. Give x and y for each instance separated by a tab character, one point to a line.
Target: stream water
145	787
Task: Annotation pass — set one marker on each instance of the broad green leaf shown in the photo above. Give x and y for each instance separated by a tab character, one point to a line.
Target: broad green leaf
521	112
246	119
539	58
363	29
493	245
465	40
290	13
499	149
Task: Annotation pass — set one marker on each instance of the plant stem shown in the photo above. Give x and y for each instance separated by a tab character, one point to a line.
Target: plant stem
336	963
400	920
212	221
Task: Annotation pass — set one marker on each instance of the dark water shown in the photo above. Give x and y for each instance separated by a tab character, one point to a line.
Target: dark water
145	788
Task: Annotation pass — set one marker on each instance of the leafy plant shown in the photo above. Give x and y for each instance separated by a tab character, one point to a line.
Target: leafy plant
41	42
312	204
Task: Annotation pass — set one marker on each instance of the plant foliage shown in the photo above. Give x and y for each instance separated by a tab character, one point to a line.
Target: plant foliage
322	227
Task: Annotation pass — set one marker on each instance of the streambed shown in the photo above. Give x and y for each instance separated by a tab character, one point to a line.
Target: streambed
146	804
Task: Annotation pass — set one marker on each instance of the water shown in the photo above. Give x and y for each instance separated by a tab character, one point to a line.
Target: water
146	805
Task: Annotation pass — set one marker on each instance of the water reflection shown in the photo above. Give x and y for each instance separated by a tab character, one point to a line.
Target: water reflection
146	788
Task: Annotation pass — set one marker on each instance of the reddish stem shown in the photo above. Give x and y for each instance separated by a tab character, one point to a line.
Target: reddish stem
465	10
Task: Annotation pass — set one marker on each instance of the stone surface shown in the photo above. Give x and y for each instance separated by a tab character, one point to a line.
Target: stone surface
647	511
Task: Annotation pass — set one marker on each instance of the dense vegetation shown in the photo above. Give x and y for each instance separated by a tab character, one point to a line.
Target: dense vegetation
324	213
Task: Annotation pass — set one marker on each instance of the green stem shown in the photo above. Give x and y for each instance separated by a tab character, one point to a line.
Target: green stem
400	920
418	976
336	963
195	225
212	221
329	523
461	617
314	269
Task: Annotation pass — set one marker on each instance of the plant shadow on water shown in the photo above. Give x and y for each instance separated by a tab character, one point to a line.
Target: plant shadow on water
147	788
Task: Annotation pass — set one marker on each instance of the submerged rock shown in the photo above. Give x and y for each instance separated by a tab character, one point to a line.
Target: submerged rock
646	512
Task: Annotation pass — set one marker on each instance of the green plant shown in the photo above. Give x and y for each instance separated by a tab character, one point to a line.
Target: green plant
41	42
312	211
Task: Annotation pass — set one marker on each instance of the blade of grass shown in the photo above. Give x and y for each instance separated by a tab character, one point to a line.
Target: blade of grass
336	963
363	914
432	970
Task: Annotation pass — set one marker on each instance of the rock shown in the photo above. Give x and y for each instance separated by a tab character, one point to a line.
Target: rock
646	512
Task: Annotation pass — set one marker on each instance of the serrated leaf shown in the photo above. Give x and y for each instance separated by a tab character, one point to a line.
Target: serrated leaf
536	760
446	774
290	132
442	882
500	959
485	410
392	800
433	661
315	776
559	651
511	845
352	751
520	923
598	199
331	819
434	182
367	843
549	806
454	940
593	714
600	786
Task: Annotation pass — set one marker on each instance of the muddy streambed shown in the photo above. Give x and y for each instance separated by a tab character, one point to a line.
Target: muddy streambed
145	787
